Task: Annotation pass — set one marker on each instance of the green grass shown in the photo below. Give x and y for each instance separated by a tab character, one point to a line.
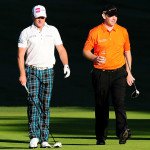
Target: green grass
74	127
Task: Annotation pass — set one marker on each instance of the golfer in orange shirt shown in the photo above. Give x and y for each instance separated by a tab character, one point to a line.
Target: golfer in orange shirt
111	48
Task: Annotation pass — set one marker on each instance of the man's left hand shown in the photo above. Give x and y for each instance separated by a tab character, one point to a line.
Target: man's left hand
66	71
130	79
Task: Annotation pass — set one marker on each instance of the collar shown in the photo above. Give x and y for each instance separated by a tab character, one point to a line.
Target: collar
34	26
105	29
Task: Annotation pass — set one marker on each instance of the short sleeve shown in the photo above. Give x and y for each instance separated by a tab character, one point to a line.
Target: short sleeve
127	41
89	44
57	37
22	41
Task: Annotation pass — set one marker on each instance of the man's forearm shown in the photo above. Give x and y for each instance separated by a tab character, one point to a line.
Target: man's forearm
128	59
21	61
21	67
89	55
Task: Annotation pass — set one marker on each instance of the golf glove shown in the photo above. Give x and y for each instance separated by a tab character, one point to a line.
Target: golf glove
66	71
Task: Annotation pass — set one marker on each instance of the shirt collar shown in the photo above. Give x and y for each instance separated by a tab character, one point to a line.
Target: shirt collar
115	27
105	29
34	26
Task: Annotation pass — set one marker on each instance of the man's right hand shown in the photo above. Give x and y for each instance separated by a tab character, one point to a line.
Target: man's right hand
99	60
23	80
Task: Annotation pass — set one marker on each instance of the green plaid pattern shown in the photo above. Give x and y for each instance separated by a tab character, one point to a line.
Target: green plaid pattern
39	83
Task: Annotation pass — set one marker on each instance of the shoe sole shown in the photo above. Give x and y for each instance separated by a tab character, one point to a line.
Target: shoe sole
32	147
46	147
101	144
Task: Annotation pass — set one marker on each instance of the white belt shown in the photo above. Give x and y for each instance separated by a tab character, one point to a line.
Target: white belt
38	68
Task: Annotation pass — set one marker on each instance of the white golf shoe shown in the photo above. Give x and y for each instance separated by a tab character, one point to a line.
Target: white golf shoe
34	143
57	145
45	145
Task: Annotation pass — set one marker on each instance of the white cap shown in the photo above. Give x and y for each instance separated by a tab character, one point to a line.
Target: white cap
39	11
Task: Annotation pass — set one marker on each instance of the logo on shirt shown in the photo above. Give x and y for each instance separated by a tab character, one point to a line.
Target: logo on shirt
48	35
102	40
32	36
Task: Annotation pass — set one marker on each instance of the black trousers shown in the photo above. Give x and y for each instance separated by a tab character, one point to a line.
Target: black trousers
109	83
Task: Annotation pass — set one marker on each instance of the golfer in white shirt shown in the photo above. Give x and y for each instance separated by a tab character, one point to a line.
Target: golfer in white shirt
36	46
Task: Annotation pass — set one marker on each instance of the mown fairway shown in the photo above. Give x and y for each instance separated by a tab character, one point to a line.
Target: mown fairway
74	127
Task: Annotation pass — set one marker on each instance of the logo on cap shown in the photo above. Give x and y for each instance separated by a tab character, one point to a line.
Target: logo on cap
37	10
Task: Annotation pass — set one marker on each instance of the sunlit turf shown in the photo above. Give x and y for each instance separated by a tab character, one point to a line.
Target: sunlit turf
74	127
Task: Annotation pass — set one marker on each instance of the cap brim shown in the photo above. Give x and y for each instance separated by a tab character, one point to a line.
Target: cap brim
40	15
111	13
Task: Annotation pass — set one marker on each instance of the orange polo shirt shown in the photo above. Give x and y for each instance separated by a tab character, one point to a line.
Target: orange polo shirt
114	43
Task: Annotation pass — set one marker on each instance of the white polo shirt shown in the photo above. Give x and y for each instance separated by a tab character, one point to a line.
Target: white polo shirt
40	45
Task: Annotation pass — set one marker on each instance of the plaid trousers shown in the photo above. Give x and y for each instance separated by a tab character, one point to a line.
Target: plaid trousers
39	83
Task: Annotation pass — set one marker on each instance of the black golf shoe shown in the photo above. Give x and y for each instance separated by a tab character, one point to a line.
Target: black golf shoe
100	142
124	136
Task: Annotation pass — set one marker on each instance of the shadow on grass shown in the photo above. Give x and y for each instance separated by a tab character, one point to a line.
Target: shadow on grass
17	148
9	141
109	138
75	126
71	128
13	141
64	137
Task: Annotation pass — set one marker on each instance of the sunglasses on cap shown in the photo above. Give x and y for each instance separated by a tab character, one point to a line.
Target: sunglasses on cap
111	12
40	18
